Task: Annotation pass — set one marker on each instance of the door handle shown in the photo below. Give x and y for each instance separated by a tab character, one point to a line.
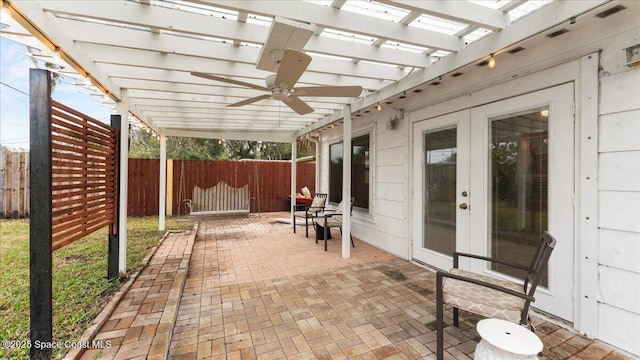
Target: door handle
464	206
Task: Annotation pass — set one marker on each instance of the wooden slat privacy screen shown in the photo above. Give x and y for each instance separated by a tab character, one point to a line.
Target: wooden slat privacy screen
84	175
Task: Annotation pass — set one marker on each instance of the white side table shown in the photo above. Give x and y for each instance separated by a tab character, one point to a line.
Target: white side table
505	340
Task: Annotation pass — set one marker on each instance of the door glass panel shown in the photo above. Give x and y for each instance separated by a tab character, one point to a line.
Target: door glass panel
440	152
519	184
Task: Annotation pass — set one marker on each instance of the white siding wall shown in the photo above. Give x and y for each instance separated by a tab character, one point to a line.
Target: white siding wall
619	198
385	226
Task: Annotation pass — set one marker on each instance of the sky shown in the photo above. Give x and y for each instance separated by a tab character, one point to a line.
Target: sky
14	101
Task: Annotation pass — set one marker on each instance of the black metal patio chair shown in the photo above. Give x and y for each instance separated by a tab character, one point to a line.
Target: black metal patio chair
488	296
332	219
308	211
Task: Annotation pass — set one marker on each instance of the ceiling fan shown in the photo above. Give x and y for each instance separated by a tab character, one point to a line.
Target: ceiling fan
281	85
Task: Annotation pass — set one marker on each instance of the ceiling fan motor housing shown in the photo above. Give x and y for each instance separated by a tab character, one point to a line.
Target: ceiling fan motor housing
277	92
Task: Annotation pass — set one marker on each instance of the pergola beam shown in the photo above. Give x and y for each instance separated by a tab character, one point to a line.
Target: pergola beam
274	136
158	71
212	108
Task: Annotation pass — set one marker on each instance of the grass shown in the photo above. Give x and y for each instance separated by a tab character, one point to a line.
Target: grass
80	287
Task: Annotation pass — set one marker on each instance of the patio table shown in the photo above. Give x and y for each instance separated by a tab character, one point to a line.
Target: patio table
503	339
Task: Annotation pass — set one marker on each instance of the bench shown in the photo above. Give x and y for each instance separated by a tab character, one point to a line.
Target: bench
221	200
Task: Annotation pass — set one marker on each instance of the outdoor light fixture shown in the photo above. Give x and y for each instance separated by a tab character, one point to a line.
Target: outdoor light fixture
379	107
393	122
56	56
633	55
492	62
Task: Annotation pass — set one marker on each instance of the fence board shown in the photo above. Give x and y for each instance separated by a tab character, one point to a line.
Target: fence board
3	184
14	190
143	187
27	189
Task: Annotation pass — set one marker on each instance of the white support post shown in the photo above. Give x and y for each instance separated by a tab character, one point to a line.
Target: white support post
294	174
318	162
346	183
124	186
586	319
162	206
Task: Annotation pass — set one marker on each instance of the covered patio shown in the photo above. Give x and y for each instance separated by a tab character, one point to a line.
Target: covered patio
393	89
255	290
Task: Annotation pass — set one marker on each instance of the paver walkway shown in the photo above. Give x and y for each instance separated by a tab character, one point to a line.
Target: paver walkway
255	290
141	325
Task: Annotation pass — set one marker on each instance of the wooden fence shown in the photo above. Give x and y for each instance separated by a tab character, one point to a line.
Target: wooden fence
84	175
14	184
269	183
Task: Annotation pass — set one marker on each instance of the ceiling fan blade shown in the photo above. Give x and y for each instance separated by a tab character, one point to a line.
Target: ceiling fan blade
297	105
293	64
250	100
226	80
337	91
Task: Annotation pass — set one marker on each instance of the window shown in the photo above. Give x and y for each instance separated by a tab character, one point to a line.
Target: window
359	171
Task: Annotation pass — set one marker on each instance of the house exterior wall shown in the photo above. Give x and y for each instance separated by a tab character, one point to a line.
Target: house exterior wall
619	198
607	211
384	225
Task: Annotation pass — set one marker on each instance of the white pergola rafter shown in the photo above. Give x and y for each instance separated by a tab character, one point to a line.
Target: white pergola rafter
180	67
147	49
459	11
545	18
117	36
346	21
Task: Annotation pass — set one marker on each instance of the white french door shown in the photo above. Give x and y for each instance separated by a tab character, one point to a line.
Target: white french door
513	179
441	188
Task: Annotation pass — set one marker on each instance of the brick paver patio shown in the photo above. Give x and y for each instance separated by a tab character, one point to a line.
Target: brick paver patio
255	290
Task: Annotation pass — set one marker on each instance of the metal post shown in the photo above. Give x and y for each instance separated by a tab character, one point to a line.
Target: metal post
40	224
114	246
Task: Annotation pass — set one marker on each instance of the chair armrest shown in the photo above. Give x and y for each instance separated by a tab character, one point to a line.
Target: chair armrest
506	263
486	284
314	209
327	214
300	207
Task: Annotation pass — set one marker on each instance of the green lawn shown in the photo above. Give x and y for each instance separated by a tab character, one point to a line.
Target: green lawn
80	288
